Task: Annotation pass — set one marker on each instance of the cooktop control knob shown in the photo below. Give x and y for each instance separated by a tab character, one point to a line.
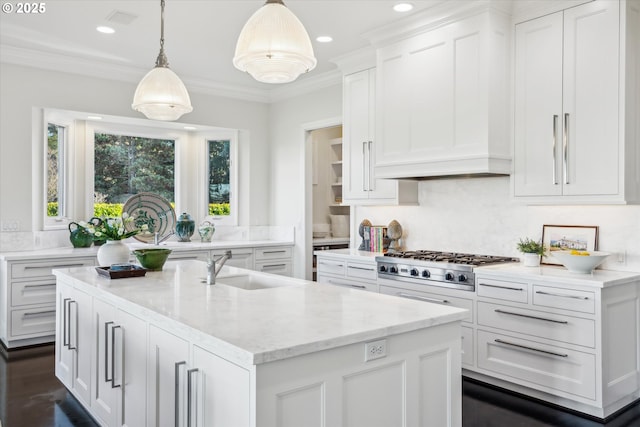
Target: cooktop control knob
393	270
426	274
383	269
462	278
414	272
449	277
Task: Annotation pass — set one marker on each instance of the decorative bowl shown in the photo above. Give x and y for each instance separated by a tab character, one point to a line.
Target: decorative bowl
153	258
578	262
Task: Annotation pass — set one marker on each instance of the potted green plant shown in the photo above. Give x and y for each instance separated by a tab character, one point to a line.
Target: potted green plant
532	251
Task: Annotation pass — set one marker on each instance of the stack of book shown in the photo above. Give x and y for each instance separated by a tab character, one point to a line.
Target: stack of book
375	238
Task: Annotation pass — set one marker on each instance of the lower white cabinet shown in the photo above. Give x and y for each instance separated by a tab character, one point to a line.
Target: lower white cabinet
356	274
74	338
560	340
119	366
274	260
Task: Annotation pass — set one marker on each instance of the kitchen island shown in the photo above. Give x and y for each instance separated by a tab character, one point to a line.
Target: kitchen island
258	350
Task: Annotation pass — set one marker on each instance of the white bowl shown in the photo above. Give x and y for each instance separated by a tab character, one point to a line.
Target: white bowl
580	263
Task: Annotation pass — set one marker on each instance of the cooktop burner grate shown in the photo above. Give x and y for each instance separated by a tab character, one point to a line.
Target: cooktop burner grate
451	257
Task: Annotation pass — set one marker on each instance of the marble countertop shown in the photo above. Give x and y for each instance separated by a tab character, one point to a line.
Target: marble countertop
350	253
70	252
560	275
258	326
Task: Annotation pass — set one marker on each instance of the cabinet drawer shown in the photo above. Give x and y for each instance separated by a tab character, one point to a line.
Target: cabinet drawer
467	346
328	266
362	270
33	292
557	327
188	255
272	253
508	291
567	299
43	269
539	366
282	267
349	283
41	321
433	298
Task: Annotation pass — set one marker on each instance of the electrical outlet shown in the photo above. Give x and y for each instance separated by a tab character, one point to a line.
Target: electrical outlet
10	225
621	257
375	350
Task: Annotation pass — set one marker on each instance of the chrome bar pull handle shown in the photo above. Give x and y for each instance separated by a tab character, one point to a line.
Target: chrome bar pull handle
555	140
528	316
65	322
189	404
176	380
369	169
561	295
113	357
106	352
421	298
364	166
76	325
565	148
552	353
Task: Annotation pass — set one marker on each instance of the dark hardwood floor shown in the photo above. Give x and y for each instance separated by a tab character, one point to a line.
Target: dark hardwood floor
31	396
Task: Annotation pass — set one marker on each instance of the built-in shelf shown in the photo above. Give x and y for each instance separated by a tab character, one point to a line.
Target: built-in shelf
336	165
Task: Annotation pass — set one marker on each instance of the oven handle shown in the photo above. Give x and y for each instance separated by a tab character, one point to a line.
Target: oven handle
421	298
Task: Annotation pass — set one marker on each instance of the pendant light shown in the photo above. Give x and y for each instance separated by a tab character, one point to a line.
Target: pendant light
161	95
273	45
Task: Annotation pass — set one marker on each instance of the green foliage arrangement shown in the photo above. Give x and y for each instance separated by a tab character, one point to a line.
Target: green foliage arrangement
529	246
112	228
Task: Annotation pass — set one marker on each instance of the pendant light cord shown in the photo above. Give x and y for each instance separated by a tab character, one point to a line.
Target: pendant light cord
162	61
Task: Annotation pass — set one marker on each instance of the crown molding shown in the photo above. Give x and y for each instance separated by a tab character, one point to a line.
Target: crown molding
105	70
441	14
355	61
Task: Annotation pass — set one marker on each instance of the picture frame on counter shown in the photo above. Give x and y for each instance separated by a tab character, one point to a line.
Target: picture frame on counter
566	238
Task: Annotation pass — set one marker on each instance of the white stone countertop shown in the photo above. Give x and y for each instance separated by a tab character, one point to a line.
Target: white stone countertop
70	252
351	253
257	326
560	275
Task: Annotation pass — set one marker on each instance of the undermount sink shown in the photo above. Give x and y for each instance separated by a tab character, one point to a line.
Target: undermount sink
252	282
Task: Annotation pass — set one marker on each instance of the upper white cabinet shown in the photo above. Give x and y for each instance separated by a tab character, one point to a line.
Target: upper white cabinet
443	98
577	105
360	185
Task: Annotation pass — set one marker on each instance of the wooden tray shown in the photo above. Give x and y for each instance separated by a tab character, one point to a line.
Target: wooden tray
133	271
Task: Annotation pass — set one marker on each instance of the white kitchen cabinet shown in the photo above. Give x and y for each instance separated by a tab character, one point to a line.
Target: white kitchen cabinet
28	299
74	338
356	274
442	98
576	105
274	260
167	371
552	338
360	184
223	391
119	367
240	257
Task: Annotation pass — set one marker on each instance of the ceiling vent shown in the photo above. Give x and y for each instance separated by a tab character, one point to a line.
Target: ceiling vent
119	17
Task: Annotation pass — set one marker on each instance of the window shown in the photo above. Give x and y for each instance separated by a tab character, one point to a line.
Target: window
125	165
219	185
91	166
56	173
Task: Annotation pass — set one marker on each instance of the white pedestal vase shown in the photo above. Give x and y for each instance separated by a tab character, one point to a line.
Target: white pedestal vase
113	252
531	260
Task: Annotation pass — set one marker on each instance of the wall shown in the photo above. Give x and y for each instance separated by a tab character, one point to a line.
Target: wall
478	215
289	177
23	88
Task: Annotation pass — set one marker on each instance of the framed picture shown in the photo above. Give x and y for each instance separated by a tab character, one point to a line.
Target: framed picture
568	237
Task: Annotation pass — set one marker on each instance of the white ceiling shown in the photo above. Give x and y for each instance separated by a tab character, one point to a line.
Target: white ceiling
200	36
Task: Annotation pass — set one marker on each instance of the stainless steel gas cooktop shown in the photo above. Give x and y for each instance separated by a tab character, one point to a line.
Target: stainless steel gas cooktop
448	269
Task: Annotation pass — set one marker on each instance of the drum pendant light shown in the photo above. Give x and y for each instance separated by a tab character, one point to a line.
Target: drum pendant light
274	46
161	95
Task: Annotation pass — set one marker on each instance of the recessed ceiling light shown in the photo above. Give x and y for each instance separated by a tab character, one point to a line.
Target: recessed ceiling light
94	118
190	127
403	7
105	30
324	39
